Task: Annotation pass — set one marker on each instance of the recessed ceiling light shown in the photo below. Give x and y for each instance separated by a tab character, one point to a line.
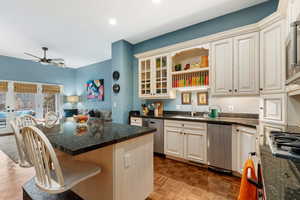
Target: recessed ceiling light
112	21
156	1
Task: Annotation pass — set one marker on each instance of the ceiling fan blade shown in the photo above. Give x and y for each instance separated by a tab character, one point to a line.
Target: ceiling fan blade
29	54
57	59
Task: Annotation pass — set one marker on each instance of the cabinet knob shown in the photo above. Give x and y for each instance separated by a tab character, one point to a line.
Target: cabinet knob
237	130
230	90
261	108
235	90
260	89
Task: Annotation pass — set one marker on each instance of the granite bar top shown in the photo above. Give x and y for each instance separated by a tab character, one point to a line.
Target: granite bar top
249	122
66	137
281	177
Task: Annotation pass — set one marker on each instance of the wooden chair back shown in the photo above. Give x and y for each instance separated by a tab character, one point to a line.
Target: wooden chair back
50	119
42	155
25	120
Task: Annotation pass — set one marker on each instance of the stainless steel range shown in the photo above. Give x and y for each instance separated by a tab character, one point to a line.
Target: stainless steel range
285	145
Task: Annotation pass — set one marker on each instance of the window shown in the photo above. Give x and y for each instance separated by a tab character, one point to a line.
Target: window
25	103
2	110
2	101
50	103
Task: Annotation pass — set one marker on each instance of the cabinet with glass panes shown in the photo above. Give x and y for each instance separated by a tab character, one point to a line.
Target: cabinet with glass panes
154	77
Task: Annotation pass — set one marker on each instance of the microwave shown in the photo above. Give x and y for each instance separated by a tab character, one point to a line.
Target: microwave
293	51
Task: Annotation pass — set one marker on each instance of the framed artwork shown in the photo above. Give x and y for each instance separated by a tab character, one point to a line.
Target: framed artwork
186	98
95	89
202	98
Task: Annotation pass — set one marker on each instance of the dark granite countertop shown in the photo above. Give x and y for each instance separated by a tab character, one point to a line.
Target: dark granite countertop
281	177
250	122
65	137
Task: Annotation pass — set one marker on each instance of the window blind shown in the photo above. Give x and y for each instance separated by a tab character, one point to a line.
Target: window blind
3	86
51	89
25	88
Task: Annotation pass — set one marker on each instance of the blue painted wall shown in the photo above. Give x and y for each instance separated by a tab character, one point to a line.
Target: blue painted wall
122	57
24	70
101	70
233	20
226	22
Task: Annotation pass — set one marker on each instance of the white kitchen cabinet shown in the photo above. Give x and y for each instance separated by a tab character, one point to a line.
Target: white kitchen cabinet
222	67
246	64
155	78
195	145
186	140
272	59
244	142
273	108
136	121
174	142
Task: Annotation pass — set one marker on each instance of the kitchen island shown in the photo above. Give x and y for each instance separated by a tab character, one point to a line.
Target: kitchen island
124	153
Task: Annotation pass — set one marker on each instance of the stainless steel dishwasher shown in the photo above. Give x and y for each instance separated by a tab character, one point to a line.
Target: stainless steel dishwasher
219	148
158	135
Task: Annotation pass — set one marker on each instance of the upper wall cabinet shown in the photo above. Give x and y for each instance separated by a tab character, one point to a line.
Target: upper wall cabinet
246	64
272	70
154	78
235	66
222	67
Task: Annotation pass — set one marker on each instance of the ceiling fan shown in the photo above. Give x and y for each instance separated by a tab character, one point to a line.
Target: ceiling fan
51	61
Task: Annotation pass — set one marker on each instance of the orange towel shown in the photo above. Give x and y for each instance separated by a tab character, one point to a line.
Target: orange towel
247	190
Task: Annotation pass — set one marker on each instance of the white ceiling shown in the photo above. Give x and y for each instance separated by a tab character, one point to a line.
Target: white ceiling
78	30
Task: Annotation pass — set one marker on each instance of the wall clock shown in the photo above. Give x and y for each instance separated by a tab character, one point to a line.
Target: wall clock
116	75
116	88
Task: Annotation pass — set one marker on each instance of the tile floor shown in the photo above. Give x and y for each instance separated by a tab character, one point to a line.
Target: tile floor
173	181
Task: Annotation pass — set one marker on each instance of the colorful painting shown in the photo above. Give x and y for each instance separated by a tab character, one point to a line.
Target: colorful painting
95	89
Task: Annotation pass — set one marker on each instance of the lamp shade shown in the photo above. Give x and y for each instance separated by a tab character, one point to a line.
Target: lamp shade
72	99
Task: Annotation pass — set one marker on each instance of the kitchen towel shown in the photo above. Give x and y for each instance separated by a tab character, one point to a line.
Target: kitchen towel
247	190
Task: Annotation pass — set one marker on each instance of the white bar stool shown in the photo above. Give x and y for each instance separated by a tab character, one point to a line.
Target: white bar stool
53	176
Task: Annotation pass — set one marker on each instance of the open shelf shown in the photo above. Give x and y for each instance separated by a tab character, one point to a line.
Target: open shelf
195	88
191	70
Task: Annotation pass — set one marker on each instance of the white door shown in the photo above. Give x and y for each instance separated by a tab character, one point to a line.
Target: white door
195	145
246	64
246	144
174	142
222	67
272	108
7	112
272	64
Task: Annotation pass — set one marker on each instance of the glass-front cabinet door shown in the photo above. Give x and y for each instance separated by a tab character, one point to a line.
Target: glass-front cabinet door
154	78
161	76
145	77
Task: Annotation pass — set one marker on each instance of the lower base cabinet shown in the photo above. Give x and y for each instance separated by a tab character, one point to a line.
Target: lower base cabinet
244	141
173	142
186	140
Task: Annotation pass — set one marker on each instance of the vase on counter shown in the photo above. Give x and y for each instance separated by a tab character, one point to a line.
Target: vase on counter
95	125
